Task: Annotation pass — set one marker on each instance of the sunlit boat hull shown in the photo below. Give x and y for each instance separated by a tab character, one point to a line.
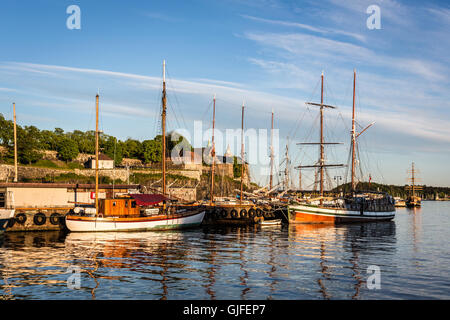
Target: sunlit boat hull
317	214
161	222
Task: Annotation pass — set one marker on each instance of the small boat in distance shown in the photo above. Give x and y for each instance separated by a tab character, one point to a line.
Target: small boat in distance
399	202
356	206
413	200
136	212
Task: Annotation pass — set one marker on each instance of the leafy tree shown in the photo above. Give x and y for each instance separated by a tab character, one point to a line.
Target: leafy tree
113	149
236	168
132	149
67	149
151	151
27	145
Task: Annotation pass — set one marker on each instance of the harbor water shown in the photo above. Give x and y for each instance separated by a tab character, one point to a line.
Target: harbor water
257	262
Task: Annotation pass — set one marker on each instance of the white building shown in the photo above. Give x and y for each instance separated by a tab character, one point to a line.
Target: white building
104	162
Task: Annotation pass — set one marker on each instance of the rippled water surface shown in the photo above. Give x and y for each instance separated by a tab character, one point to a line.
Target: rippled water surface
278	262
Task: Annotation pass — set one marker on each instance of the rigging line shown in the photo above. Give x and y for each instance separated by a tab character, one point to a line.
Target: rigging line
175	95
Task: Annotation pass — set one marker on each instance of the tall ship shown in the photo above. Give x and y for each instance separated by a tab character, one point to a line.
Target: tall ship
136	212
413	200
354	206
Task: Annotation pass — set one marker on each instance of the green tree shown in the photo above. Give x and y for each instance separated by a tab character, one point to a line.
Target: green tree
236	168
113	149
27	145
151	151
67	149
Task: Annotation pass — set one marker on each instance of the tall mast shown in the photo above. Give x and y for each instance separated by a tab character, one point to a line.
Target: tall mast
213	151
15	144
163	115
412	179
353	134
321	161
96	154
321	165
271	156
242	154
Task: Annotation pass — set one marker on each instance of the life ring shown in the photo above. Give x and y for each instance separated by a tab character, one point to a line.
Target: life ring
244	213
251	213
259	212
223	213
234	214
39	219
54	218
20	218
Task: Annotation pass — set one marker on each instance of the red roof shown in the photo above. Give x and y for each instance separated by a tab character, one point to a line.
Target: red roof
148	199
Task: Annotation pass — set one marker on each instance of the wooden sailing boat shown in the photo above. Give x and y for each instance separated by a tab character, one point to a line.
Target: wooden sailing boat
358	206
135	212
413	200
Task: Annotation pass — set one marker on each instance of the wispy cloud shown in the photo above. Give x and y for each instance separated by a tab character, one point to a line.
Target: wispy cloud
353	35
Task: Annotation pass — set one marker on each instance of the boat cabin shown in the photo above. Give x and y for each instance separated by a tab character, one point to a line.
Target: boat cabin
128	206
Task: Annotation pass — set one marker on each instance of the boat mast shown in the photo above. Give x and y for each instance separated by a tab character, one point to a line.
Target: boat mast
271	156
321	161
163	115
96	155
213	151
286	170
15	144
242	154
412	179
321	165
353	134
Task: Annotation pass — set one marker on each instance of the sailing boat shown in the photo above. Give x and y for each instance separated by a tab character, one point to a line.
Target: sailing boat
355	207
413	200
135	212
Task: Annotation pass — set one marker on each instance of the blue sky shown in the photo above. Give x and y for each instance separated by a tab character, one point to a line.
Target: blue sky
269	53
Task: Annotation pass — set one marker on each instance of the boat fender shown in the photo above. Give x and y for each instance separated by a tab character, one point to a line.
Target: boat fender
244	213
234	214
20	218
251	213
259	212
223	213
54	218
11	223
39	219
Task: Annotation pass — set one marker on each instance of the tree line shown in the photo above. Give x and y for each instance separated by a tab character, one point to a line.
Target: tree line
31	142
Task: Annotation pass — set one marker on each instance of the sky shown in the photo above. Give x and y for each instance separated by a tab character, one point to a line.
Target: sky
267	54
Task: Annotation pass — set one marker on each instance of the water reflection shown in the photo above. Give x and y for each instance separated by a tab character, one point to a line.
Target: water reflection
279	262
355	239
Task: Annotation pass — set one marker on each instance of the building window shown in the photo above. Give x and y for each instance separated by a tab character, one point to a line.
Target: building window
133	204
2	199
114	204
